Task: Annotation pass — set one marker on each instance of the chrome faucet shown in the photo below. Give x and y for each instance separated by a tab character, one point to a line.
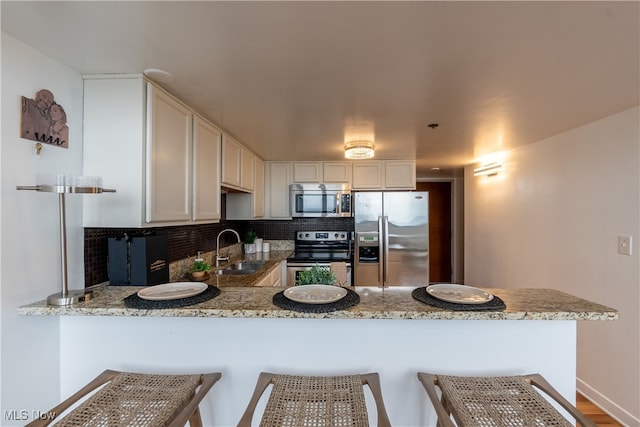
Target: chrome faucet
223	258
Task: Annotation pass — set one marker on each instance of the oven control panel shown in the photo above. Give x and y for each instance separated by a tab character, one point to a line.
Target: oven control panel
336	236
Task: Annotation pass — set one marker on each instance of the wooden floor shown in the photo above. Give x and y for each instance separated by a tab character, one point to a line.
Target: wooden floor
596	414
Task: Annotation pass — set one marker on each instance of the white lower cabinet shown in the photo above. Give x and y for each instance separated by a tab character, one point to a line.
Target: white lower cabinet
141	141
274	278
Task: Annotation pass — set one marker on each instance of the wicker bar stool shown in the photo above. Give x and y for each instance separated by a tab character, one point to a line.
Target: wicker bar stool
131	399
331	401
497	401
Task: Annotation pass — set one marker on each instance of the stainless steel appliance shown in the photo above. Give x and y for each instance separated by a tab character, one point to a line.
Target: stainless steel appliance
391	238
320	248
320	200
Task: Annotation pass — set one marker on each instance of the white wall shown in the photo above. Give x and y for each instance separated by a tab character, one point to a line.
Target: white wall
552	220
30	236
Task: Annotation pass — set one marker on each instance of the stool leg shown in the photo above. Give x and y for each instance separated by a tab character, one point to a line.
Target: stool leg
195	420
445	405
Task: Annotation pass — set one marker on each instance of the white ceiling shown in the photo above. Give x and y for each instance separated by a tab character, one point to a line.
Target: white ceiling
293	80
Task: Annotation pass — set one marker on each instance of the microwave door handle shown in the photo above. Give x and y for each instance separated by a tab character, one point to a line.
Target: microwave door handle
338	204
381	257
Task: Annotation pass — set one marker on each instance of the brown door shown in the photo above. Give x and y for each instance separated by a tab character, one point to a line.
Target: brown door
440	267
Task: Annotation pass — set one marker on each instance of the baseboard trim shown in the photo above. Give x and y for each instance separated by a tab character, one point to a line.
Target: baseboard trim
608	406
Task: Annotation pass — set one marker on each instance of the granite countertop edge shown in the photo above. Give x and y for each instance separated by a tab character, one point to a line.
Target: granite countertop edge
375	303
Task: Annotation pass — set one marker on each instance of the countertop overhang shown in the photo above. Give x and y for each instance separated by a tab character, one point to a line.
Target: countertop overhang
375	303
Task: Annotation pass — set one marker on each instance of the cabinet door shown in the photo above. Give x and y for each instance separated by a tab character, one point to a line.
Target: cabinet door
258	190
336	172
247	168
206	170
367	175
118	160
280	179
231	150
307	172
400	174
276	276
268	279
168	158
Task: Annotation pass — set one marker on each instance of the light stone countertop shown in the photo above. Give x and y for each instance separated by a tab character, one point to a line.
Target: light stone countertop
375	303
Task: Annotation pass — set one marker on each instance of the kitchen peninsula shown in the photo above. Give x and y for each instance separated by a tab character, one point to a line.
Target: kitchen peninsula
241	333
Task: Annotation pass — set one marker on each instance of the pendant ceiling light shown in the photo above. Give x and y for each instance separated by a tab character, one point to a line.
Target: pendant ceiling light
358	150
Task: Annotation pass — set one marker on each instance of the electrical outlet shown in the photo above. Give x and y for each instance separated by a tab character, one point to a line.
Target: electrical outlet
624	245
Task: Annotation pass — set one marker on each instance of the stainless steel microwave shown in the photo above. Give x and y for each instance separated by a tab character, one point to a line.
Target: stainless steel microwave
320	200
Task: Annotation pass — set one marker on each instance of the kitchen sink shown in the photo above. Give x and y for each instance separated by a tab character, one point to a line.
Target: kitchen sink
242	267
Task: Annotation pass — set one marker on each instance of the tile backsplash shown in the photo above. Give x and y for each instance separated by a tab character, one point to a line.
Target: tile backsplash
186	241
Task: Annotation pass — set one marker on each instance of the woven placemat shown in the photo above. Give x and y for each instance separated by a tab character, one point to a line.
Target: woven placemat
134	301
347	301
420	294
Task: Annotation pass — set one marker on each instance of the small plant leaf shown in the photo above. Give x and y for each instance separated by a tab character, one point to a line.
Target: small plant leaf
316	275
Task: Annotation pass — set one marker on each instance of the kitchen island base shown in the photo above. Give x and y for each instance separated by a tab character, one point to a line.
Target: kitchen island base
241	348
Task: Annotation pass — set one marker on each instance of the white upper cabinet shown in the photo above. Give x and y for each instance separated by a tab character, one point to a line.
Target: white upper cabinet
336	172
367	175
206	170
400	175
384	175
231	161
168	158
279	175
245	205
321	172
259	189
141	141
247	169
238	165
307	172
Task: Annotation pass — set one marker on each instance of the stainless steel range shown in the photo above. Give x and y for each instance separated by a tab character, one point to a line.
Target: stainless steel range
320	248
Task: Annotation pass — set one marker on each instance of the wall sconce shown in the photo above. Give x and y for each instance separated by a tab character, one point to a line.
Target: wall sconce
358	150
489	169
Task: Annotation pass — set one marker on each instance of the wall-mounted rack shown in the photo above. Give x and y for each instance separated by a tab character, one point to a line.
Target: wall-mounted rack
67	297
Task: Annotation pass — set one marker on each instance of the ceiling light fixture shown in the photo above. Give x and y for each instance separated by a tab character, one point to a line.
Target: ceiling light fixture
160	76
488	169
358	150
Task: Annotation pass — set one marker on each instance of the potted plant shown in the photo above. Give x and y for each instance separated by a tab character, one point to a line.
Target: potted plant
199	268
249	239
316	275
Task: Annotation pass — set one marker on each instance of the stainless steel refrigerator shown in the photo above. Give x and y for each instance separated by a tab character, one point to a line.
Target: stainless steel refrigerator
391	238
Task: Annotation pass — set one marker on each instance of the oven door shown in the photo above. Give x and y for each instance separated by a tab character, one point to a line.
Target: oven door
294	268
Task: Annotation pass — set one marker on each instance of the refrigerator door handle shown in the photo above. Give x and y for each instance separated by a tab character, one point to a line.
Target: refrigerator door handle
386	250
380	253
